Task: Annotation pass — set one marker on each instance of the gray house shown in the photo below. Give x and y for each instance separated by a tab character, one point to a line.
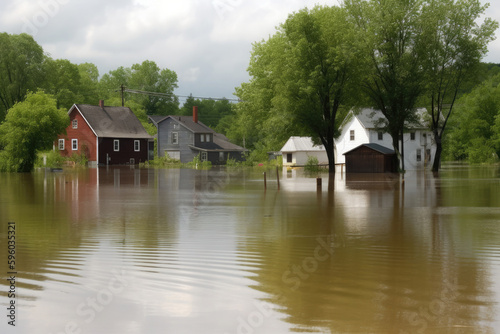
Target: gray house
184	137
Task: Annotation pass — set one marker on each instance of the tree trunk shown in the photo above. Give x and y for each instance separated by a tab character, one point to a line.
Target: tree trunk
330	152
437	157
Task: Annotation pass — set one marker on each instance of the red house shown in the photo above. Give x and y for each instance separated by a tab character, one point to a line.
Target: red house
106	135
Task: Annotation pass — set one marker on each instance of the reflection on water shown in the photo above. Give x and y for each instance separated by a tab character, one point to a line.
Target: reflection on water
125	250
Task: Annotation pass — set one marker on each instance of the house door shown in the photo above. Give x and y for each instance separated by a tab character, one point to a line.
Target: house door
289	158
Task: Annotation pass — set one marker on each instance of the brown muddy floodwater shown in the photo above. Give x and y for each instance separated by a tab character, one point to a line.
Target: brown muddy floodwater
125	250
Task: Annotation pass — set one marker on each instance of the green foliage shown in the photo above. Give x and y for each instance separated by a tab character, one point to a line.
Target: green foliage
311	94
53	159
21	69
474	135
146	76
216	114
162	162
198	164
312	165
30	126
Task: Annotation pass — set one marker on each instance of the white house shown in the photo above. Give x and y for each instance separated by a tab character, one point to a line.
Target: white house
297	150
365	127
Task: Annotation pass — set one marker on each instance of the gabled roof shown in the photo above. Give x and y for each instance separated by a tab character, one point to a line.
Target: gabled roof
219	143
303	144
186	121
112	122
376	147
372	118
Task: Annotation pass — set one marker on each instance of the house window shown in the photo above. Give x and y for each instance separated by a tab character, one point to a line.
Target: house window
116	145
175	138
203	156
352	135
75	124
202	138
289	158
137	145
412	135
61	144
74	144
176	126
221	156
380	136
419	155
208	138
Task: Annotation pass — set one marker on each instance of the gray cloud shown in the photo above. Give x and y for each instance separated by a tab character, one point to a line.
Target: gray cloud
207	42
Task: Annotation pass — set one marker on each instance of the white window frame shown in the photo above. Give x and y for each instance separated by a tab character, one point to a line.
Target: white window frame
419	155
74	124
380	136
116	145
352	135
413	135
61	144
74	144
137	145
208	138
204	156
202	138
175	138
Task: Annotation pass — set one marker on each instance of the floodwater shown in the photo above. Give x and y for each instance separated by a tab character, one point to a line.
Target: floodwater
125	250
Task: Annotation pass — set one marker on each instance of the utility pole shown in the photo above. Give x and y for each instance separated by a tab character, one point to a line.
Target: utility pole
122	87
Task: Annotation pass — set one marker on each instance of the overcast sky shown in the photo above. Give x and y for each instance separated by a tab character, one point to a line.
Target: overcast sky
206	42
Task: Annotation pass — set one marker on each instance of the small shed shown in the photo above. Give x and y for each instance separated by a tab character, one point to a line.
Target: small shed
370	158
297	151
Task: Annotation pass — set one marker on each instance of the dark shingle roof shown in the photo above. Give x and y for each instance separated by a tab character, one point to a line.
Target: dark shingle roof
219	143
113	122
186	121
376	147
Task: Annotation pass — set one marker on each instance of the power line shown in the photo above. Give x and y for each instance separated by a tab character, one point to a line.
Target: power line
123	90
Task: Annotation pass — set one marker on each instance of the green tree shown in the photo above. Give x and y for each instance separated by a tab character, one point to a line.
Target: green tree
147	77
89	83
474	133
21	70
454	45
62	80
210	112
393	83
30	126
304	75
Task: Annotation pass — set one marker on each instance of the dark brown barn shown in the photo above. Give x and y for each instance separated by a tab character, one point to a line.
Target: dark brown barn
105	135
370	158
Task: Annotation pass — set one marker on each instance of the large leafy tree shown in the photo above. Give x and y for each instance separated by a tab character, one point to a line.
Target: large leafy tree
30	126
474	133
147	77
454	45
21	69
306	74
394	79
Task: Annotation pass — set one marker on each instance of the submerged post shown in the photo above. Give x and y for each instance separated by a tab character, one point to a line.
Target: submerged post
265	181
278	176
319	184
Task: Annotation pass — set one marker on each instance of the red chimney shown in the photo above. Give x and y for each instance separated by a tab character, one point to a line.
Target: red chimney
195	114
101	104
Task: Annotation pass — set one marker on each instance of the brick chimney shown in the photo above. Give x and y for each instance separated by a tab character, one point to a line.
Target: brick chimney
195	114
101	104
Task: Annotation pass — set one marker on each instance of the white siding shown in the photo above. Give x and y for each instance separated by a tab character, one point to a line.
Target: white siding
423	141
345	144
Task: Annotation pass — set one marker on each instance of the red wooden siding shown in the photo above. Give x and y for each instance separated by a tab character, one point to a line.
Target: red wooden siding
85	136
